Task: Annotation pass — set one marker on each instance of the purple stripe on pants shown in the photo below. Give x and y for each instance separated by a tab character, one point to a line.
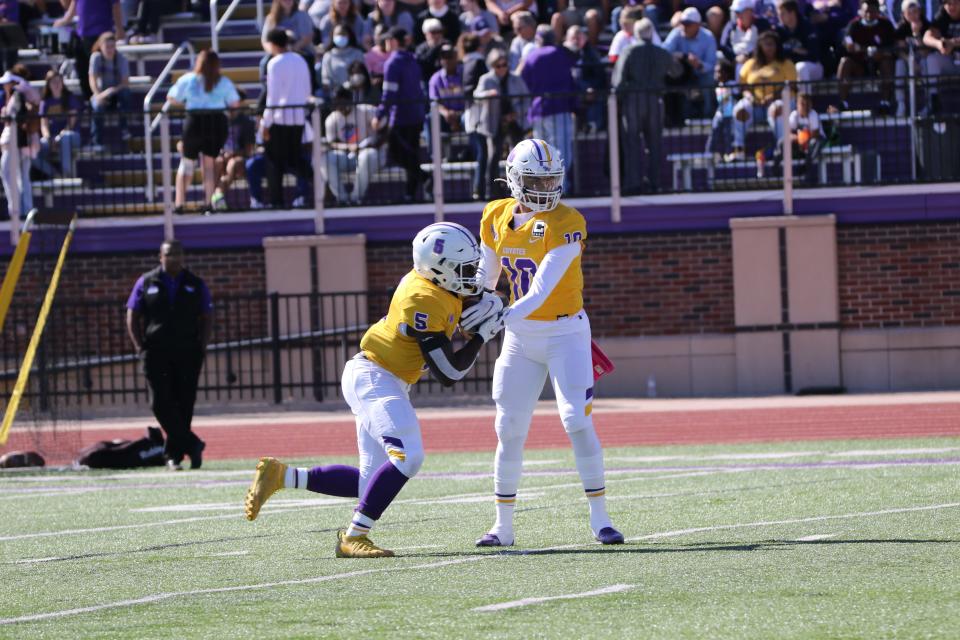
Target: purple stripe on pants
384	486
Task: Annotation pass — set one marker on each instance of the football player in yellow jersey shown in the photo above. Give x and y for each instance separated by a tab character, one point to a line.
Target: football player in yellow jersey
394	353
538	240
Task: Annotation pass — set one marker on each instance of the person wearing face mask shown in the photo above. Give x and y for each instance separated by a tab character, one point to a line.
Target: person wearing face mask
869	45
335	66
360	86
438	10
345	12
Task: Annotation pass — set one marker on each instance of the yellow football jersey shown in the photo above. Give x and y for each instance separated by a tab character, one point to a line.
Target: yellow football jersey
417	304
522	250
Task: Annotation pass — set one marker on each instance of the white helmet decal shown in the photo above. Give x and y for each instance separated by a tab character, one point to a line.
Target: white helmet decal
447	254
535	175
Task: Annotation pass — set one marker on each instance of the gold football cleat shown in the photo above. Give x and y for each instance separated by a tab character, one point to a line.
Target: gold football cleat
267	481
359	547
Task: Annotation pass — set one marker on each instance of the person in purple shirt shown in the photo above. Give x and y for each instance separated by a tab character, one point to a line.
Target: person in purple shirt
446	87
548	74
94	17
58	125
402	110
169	320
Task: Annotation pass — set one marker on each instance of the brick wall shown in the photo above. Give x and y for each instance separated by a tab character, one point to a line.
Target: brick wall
649	284
899	275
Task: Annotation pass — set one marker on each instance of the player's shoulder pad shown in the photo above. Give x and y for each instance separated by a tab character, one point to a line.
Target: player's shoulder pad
565	218
494	207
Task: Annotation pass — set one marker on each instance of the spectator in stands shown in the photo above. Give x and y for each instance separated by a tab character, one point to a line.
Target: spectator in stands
58	125
474	66
206	94
589	13
830	21
19	140
438	10
589	76
910	31
800	41
806	136
353	146
335	66
943	37
427	52
499	96
109	82
761	79
376	57
548	74
624	38
696	49
9	16
869	45
470	10
488	38
344	12
148	19
524	30
725	140
504	9
360	86
446	88
282	125
716	21
387	14
739	37
94	18
401	111
284	14
639	77
240	145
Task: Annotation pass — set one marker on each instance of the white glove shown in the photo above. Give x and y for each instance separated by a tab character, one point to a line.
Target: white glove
490	327
490	305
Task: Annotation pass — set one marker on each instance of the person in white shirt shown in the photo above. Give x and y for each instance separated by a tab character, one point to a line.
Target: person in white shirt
352	146
525	28
282	125
806	136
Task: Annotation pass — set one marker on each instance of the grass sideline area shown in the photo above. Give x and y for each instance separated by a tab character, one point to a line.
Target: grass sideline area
825	539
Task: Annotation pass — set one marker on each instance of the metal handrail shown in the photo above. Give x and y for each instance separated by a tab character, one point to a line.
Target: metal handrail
148	125
217	25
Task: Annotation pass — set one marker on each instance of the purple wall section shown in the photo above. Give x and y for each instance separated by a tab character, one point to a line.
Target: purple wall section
859	209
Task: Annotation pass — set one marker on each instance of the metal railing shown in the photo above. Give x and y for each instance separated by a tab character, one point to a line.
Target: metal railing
689	151
272	348
150	125
216	26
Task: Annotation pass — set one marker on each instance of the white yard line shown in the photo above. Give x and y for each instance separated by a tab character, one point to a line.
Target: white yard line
227	554
433	565
271	510
500	606
817	536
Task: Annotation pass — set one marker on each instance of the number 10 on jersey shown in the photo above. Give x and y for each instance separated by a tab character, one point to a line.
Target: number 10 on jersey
521	272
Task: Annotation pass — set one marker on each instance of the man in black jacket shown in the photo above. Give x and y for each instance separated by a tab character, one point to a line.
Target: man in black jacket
168	320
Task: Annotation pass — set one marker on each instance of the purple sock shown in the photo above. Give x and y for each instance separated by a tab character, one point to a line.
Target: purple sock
383	488
335	480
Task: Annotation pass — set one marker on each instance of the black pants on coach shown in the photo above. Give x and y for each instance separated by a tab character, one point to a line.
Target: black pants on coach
284	152
403	146
173	377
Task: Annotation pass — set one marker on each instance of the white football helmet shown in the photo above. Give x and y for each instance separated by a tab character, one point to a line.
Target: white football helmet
447	254
535	175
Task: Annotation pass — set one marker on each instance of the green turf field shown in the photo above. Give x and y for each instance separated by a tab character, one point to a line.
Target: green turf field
790	540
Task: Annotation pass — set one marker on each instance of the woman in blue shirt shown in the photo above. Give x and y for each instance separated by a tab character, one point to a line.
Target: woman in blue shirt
206	95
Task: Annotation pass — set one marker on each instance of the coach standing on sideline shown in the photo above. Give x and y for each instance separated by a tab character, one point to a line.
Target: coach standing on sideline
402	111
288	85
168	320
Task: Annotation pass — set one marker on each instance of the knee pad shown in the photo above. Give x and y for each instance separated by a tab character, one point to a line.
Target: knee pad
573	423
187	167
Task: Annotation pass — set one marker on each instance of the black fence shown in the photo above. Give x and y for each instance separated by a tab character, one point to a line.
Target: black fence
683	139
265	348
